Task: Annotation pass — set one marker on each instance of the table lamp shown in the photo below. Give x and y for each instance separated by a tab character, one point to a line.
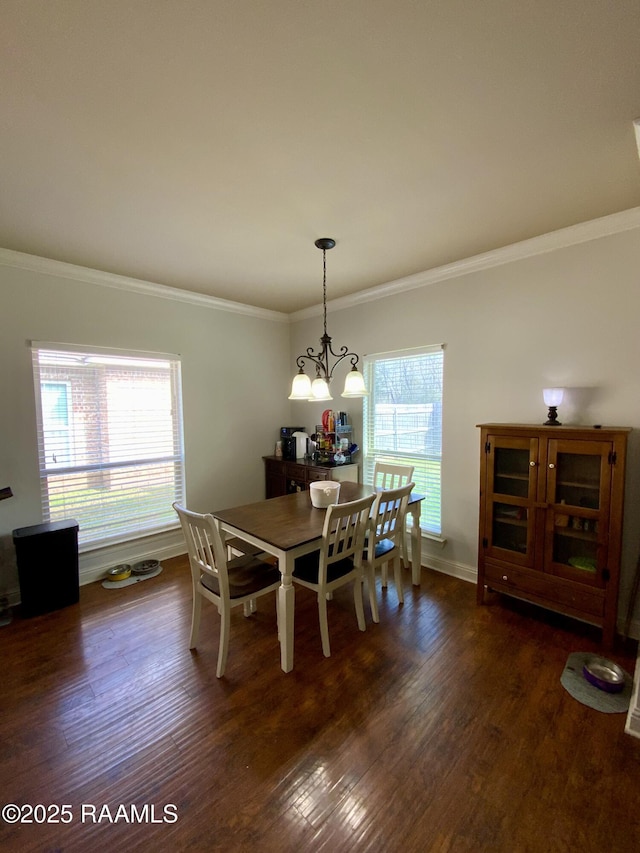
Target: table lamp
552	398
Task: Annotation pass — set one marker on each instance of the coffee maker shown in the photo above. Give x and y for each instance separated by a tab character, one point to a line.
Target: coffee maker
289	442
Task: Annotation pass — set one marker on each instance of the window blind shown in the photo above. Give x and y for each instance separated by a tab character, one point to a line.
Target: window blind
402	421
110	440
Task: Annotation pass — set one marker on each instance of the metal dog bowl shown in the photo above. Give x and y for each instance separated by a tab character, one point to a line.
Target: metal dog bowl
604	674
145	567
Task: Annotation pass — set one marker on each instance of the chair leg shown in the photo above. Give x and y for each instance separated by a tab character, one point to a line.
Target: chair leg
383	574
225	630
357	596
397	573
373	597
405	556
249	607
195	618
324	624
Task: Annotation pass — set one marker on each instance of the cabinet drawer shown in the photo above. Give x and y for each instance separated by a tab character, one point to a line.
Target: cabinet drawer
297	472
317	474
546	590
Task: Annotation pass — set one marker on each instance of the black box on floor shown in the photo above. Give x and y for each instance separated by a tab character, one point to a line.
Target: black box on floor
47	558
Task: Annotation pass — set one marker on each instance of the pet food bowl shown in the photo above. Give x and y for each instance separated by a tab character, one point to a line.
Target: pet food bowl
119	573
324	493
603	674
145	567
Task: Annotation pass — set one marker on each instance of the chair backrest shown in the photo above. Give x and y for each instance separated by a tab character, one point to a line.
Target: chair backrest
390	476
207	554
387	516
345	527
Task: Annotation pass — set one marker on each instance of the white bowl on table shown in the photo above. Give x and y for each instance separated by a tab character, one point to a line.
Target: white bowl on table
324	493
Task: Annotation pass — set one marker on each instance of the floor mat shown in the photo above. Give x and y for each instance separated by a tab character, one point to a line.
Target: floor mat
574	682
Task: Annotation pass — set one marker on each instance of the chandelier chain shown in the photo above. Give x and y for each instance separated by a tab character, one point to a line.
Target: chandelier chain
324	287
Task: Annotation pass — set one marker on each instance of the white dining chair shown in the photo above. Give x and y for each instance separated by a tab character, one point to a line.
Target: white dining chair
388	475
339	560
385	540
226	583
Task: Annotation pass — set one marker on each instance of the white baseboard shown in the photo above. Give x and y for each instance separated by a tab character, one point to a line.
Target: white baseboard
455	570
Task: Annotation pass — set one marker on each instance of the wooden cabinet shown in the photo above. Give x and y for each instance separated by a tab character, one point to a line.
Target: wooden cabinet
551	502
283	477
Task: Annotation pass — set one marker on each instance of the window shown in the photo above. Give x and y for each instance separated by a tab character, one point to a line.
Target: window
109	440
402	421
57	416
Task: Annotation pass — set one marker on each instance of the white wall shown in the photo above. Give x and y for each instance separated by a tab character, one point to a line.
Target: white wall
235	374
567	317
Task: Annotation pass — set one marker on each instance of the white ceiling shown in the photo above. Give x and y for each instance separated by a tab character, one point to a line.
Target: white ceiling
206	144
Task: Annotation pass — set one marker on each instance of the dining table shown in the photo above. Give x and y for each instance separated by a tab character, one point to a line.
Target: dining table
288	527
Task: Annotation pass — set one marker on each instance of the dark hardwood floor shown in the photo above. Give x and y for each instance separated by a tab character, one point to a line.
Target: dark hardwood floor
443	728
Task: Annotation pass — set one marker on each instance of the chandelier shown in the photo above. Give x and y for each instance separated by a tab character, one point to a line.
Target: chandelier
302	388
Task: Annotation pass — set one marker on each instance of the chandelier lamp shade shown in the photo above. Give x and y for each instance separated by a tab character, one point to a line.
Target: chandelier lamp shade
302	387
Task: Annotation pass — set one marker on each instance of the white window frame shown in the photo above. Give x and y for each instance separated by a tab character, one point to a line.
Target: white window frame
428	462
126	432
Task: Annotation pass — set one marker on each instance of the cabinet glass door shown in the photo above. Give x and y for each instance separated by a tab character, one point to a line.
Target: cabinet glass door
511	490
578	484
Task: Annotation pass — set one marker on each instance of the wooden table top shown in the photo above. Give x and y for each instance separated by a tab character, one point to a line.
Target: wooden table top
290	520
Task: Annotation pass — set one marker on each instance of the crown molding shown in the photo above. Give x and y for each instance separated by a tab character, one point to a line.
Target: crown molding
60	269
584	232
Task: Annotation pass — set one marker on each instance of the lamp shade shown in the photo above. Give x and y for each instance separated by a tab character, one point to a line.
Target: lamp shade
300	387
354	385
553	396
320	390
